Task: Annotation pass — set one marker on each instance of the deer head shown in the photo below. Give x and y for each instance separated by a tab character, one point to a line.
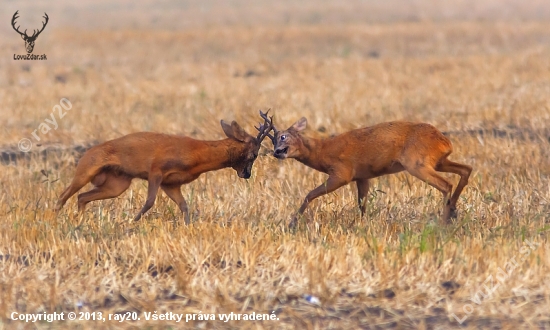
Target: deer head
289	142
286	143
29	40
243	161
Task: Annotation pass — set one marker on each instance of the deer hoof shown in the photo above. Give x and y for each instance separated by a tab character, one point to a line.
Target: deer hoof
58	206
446	218
293	223
453	213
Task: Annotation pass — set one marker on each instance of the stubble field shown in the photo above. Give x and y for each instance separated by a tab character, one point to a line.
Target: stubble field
486	82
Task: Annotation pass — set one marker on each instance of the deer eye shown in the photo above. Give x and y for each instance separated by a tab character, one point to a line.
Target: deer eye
283	137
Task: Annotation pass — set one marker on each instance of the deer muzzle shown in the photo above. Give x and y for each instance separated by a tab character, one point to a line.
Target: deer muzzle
245	173
280	152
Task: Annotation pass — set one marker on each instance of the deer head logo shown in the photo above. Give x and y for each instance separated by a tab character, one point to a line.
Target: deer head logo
29	40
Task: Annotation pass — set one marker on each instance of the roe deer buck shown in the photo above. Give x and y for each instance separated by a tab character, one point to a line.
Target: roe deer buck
369	152
165	161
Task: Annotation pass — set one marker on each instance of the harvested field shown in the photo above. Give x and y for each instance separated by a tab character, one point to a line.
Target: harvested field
477	70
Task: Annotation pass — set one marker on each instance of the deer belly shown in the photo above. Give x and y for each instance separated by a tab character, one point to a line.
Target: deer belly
179	178
391	169
368	171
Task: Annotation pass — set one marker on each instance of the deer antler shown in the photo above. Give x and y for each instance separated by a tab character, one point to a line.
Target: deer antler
17	28
266	127
35	34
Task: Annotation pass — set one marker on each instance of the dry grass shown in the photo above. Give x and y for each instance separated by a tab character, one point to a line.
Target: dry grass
396	268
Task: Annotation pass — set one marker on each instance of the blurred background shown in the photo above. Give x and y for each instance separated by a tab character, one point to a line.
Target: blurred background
181	66
180	15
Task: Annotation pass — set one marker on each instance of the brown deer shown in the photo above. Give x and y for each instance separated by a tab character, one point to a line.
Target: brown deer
369	152
165	161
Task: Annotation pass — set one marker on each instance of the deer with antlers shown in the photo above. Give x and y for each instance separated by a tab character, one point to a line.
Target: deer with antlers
369	152
165	161
29	40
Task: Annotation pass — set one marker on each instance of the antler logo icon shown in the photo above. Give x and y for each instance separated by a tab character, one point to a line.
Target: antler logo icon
29	40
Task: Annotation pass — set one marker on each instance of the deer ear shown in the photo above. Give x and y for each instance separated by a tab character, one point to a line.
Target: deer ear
233	131
23	37
300	125
227	129
238	132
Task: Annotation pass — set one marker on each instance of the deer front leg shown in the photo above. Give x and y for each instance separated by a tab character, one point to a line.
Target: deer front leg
333	182
174	192
362	194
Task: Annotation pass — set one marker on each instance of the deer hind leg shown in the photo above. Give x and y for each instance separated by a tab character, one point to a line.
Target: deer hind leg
174	192
430	176
152	191
461	169
107	185
362	194
81	178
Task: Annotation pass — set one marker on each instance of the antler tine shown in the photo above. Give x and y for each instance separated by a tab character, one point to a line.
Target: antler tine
270	120
265	128
264	133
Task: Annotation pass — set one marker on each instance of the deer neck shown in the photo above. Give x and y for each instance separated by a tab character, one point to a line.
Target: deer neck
216	155
311	153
